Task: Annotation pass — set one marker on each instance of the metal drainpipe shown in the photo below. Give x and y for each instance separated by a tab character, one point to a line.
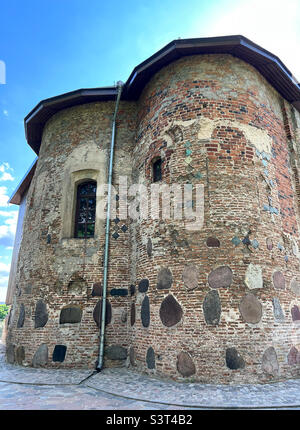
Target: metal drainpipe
106	249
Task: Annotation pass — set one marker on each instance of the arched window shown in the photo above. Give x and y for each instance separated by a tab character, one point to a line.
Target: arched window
85	209
156	170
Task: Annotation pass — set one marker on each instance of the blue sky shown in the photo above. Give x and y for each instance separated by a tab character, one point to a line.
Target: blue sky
49	47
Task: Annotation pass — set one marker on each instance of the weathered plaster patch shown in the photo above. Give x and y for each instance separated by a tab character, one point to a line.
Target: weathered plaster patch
257	137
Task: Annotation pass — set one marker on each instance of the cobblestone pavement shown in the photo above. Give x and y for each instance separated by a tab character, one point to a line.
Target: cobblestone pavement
119	389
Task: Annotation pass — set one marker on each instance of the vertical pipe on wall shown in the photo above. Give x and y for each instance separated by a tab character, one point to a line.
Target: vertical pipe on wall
106	247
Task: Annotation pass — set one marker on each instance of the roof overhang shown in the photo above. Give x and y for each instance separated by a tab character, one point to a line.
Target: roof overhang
23	186
270	66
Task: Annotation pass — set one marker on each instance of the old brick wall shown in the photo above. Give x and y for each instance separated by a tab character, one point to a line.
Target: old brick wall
220	304
57	271
233	286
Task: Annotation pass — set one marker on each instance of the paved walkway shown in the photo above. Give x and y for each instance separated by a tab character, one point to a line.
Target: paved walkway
24	388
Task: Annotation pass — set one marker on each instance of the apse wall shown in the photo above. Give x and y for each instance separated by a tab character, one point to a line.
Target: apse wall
220	304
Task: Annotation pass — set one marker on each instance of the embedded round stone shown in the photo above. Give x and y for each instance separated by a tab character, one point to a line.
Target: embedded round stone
70	315
278	312
41	314
269	361
295	313
124	316
190	276
143	285
278	280
116	352
253	277
295	287
293	356
220	277
21	318
97	289
233	359
132	314
213	242
145	312
164	279
40	358
170	311
20	354
97	313
149	247
212	308
10	353
185	364
132	356
59	353
269	243
150	358
250	309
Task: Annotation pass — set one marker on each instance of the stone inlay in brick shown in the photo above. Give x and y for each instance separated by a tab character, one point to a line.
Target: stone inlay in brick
269	243
124	228
170	311
250	309
97	313
220	277
295	287
70	315
10	353
132	314
143	285
119	292
20	354
278	312
59	353
164	279
295	313
236	241
253	276
278	280
150	358
116	352
190	276
212	308
21	318
213	242
293	356
233	359
40	358
149	247
97	289
185	364
145	312
132	356
269	361
41	314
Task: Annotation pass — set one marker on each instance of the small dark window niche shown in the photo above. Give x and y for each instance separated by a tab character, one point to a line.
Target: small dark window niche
85	210
157	170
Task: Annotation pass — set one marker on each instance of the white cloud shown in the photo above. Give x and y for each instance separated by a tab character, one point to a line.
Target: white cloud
4	197
8	228
5	112
272	24
6	176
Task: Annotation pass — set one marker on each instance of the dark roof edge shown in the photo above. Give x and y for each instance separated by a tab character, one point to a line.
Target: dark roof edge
24	184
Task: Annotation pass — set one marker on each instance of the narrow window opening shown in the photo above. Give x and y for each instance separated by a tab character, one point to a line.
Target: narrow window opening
157	171
85	210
